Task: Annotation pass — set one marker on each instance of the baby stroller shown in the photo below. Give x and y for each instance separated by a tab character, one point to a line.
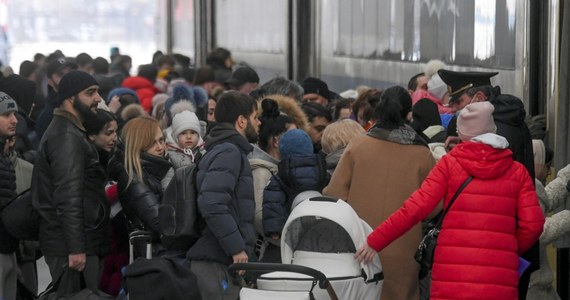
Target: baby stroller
323	233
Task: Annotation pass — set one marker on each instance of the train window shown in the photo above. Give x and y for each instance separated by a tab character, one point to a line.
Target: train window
183	26
262	25
472	33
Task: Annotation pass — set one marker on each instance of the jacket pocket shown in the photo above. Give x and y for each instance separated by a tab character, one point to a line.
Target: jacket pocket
94	218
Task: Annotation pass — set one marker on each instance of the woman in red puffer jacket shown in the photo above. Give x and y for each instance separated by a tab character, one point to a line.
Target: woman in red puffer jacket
495	218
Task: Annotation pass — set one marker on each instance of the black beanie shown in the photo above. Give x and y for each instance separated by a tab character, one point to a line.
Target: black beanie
73	83
313	85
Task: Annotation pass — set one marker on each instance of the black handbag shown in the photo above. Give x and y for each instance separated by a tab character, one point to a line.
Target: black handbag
70	285
426	249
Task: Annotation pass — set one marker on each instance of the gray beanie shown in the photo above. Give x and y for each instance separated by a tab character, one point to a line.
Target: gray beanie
7	104
184	121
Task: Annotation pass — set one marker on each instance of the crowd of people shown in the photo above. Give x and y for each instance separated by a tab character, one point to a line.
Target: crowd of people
96	148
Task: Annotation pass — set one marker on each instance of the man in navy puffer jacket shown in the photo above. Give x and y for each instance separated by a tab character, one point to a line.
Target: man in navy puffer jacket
225	197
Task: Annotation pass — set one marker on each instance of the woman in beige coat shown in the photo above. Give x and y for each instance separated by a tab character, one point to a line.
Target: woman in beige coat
376	173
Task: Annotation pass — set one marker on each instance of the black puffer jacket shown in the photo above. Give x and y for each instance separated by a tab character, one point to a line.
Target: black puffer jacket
225	197
140	200
8	244
296	174
68	191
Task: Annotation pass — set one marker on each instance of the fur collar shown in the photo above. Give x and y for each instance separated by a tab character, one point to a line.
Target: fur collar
290	107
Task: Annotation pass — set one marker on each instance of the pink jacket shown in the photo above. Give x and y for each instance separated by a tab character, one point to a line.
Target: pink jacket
420	94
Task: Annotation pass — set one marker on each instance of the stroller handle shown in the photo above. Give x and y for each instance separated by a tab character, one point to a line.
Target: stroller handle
273	267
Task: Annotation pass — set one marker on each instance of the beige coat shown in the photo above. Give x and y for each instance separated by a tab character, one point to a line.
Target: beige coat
375	177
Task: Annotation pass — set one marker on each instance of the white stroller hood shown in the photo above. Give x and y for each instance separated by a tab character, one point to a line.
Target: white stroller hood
327	225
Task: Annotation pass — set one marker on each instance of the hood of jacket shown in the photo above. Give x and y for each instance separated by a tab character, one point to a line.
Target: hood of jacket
288	106
261	159
334	157
481	160
508	111
225	132
302	173
137	83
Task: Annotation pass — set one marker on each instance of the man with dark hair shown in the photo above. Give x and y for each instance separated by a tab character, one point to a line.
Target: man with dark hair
84	62
28	70
23	91
319	118
225	197
417	82
101	74
280	86
68	185
55	70
468	87
244	80
8	245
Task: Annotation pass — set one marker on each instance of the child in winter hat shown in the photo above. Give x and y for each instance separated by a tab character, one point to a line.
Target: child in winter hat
295	142
476	119
299	170
186	132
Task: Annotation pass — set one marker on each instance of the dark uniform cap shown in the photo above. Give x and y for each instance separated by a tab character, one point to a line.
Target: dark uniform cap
459	82
313	85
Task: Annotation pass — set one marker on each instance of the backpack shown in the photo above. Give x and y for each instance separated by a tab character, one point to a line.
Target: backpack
178	213
19	217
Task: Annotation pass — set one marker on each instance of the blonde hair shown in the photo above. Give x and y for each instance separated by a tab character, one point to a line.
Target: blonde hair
338	134
138	136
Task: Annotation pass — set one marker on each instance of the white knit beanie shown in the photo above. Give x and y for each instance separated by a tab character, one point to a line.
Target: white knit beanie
183	121
476	119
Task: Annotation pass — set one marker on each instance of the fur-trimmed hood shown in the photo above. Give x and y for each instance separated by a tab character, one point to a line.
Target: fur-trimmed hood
289	107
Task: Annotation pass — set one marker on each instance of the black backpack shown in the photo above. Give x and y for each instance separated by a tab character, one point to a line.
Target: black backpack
178	214
19	217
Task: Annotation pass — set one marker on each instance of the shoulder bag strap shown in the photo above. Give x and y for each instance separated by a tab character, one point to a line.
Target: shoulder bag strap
459	190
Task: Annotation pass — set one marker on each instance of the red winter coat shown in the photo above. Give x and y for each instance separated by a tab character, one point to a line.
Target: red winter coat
144	88
495	219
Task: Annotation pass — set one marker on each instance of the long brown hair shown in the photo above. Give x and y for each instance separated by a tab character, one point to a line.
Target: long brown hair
138	135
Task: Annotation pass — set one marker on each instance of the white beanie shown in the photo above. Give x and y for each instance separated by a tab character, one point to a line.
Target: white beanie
476	119
437	87
183	121
432	67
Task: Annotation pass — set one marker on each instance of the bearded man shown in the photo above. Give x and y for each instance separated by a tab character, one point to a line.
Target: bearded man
68	185
225	197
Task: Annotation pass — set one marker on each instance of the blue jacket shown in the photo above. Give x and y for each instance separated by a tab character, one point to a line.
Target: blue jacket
296	174
225	198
